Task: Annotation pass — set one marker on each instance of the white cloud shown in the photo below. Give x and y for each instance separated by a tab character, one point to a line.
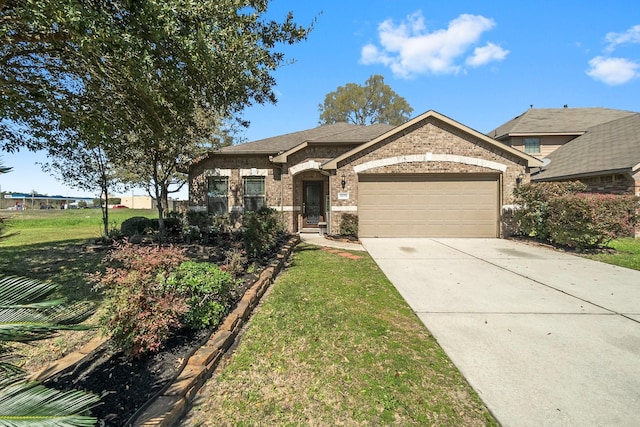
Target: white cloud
613	71
485	54
632	35
409	48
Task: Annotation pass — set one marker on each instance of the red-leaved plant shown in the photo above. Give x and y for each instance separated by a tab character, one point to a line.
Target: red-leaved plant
140	310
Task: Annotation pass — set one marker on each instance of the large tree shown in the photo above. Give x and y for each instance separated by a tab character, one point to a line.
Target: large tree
375	102
149	68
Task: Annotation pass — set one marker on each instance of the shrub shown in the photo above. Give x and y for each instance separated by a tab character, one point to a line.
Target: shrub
349	225
135	225
584	221
209	292
172	225
531	216
260	231
235	262
140	310
201	220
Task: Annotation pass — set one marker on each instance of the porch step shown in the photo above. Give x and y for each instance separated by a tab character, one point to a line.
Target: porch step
310	230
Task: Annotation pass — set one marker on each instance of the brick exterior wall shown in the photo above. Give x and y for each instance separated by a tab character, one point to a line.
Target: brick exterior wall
428	136
613	184
284	190
284	183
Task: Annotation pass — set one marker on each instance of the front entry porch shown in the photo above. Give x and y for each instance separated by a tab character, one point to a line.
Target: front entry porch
311	189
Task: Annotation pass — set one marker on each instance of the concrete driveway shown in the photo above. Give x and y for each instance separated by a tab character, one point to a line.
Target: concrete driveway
545	338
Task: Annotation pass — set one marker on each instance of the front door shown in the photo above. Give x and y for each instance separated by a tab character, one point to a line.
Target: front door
312	203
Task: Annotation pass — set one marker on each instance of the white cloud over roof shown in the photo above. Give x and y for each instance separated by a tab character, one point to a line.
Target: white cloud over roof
632	35
613	71
616	70
409	48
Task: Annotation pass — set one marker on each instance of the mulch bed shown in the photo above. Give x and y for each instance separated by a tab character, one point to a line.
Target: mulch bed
126	386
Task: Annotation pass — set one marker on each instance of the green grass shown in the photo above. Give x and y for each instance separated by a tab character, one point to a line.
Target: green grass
74	225
333	343
627	253
49	245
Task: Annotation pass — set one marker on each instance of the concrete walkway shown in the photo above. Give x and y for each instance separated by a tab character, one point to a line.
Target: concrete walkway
545	338
318	240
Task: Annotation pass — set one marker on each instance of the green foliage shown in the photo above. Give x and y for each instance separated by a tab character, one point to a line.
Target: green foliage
208	289
561	214
375	102
140	311
260	231
349	225
173	226
30	313
135	225
149	84
584	221
533	199
235	262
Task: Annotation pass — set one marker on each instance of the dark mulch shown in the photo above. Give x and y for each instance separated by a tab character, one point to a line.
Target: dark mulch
124	385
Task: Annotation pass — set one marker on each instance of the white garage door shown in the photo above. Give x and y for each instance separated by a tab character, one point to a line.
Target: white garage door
428	205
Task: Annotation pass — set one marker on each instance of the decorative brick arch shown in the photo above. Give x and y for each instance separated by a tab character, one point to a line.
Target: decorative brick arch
305	166
430	157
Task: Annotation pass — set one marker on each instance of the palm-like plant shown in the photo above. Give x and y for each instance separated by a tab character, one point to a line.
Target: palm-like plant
28	313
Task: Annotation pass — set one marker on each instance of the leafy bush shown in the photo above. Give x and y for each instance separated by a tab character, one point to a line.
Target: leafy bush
235	262
589	220
260	231
560	213
208	289
533	199
172	225
135	225
201	220
349	225
140	310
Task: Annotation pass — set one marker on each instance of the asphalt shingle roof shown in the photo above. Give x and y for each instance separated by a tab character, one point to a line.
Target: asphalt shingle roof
539	121
610	146
338	133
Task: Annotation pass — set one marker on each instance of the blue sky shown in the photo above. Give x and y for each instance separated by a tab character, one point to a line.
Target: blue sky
478	62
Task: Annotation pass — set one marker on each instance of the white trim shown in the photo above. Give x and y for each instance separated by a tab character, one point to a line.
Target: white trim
218	172
301	167
430	157
254	172
288	208
344	208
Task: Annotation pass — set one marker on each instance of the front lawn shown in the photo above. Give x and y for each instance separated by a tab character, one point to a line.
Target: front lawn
627	253
333	343
51	225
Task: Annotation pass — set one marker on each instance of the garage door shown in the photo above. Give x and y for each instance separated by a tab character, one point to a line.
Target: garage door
428	205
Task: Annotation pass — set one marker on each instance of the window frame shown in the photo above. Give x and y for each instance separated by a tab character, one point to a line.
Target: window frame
534	143
254	201
221	197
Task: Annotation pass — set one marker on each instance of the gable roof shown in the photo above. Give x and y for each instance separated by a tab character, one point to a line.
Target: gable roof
335	133
606	148
556	121
531	161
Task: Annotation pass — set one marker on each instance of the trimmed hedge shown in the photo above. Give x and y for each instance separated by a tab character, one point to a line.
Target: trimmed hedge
584	221
561	213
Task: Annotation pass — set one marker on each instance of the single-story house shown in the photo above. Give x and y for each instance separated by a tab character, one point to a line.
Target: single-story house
598	146
431	177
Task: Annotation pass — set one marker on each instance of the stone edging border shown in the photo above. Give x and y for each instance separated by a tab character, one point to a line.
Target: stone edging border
173	403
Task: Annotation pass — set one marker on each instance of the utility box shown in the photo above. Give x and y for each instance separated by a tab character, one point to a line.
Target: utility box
322	227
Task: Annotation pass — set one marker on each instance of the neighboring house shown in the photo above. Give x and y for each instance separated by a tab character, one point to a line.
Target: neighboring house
598	146
431	176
